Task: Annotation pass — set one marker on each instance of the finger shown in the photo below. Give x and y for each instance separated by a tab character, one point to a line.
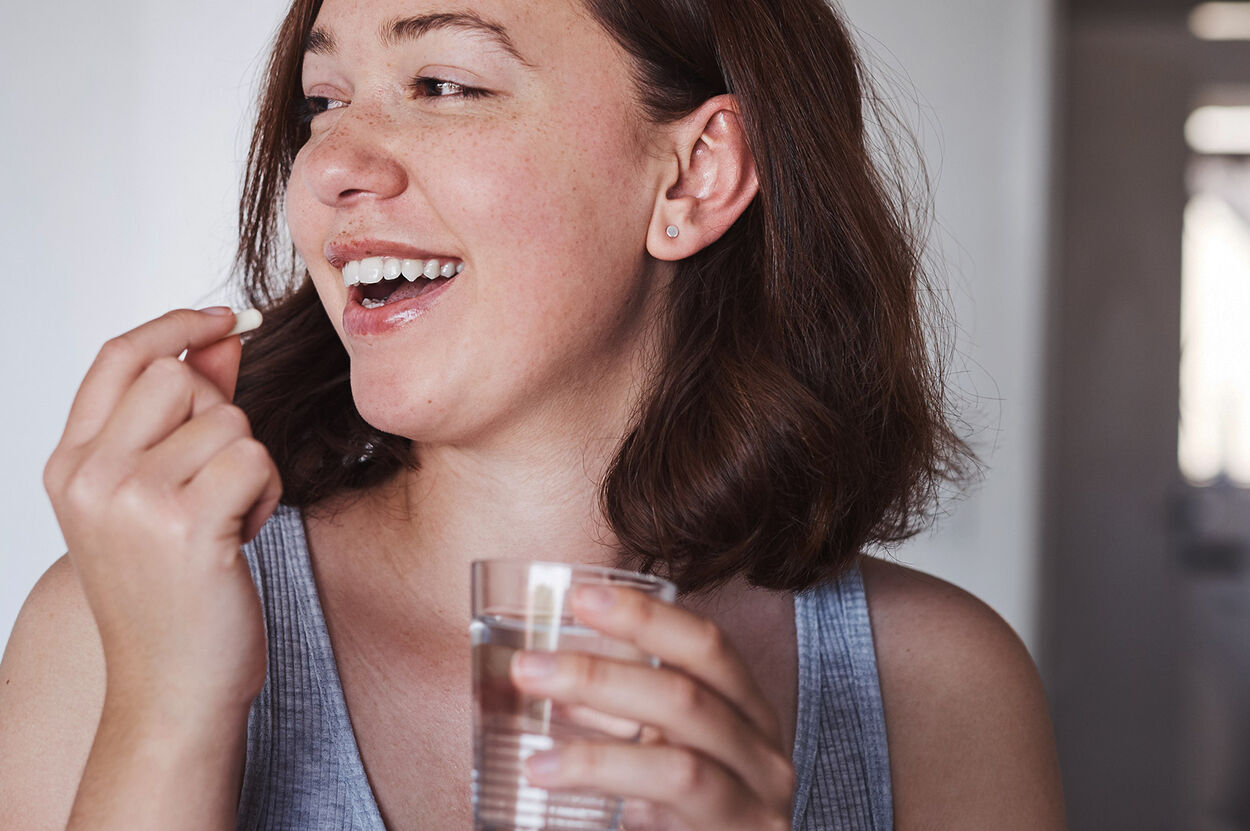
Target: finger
166	394
688	712
123	358
177	458
262	510
219	363
600	722
701	792
640	814
242	481
679	638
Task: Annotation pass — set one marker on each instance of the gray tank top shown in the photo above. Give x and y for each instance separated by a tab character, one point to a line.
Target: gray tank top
304	771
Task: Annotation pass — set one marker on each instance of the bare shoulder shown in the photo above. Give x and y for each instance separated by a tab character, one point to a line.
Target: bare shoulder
969	734
51	695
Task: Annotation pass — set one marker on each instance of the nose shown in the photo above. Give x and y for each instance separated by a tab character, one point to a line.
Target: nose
353	161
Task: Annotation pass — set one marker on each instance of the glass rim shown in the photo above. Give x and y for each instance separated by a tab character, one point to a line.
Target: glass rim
620	575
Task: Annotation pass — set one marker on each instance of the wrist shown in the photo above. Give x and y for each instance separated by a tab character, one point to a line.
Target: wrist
174	721
153	767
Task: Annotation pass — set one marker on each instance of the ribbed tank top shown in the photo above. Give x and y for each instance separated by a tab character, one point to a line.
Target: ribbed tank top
304	770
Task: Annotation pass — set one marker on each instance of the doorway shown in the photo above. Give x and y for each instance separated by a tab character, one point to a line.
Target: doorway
1146	598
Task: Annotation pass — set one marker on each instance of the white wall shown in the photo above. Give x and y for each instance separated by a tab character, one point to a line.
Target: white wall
981	73
121	156
123	140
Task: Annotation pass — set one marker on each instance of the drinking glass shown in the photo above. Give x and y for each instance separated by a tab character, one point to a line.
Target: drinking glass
519	604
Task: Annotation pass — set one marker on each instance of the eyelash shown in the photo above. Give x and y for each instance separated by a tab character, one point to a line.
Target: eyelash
312	106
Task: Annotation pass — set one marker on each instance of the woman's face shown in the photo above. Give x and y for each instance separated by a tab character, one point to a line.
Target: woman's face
503	139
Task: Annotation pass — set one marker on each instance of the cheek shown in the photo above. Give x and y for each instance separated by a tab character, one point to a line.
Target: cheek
305	216
541	202
307	221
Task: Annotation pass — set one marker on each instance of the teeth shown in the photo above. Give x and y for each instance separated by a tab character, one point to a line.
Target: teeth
372	270
412	269
351	273
370	303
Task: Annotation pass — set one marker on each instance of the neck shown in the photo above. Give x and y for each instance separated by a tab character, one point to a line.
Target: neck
530	500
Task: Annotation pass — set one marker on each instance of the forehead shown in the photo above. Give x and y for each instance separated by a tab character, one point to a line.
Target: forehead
527	27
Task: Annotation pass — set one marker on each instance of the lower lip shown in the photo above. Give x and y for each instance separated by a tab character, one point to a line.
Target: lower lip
360	322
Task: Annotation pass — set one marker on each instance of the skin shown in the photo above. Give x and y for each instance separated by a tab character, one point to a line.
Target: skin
516	388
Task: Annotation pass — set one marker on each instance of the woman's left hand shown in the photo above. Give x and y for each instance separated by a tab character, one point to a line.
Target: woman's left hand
716	760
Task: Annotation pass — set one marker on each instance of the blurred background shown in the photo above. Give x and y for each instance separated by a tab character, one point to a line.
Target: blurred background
1091	162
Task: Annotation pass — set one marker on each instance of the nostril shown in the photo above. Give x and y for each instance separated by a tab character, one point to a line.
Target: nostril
346	166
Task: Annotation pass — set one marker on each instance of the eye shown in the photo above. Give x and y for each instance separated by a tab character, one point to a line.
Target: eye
314	105
426	87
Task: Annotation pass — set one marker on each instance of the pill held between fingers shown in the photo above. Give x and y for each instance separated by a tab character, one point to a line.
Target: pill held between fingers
245	321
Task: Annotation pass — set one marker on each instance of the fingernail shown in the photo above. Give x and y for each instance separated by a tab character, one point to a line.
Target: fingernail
543	765
219	311
595	597
536	664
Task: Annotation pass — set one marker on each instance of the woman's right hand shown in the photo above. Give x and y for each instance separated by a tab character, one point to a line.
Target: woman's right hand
156	483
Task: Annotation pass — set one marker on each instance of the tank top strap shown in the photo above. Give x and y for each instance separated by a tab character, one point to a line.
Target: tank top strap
840	755
303	767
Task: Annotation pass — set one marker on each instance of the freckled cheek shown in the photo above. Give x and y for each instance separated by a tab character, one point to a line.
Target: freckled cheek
541	200
303	217
307	220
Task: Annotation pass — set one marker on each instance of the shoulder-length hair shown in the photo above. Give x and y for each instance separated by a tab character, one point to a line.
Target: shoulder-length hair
799	415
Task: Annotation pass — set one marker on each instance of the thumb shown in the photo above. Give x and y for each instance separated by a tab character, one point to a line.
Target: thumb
219	363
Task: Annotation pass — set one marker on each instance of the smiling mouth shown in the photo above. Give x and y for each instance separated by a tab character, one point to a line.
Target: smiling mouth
379	281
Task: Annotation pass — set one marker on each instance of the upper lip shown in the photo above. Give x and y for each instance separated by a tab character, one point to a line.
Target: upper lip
342	252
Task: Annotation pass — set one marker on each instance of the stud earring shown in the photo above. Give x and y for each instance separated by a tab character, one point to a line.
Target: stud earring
673	231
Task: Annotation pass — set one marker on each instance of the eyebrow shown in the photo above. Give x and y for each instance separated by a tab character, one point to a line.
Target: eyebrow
321	42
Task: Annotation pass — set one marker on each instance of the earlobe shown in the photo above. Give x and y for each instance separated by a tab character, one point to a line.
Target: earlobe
715	181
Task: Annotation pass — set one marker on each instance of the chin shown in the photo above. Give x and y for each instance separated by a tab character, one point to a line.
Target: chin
388	406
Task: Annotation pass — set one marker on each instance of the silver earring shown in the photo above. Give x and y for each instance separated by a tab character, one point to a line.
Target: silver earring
673	231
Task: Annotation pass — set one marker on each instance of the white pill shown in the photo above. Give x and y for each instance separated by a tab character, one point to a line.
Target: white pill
245	321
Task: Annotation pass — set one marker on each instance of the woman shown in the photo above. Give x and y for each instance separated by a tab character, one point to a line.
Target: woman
672	322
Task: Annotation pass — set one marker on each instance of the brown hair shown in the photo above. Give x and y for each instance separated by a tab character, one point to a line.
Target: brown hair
799	416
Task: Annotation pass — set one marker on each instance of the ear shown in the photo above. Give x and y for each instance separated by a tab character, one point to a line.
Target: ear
712	183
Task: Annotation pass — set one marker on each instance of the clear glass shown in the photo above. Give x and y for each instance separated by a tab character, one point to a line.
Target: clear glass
518	604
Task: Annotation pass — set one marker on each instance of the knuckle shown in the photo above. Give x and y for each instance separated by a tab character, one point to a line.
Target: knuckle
585	760
54	473
710	640
593	757
172	377
133	496
784	773
683	770
119	349
640	607
170	369
777	822
179	317
232	418
588	672
250	453
156	507
686	694
85	487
